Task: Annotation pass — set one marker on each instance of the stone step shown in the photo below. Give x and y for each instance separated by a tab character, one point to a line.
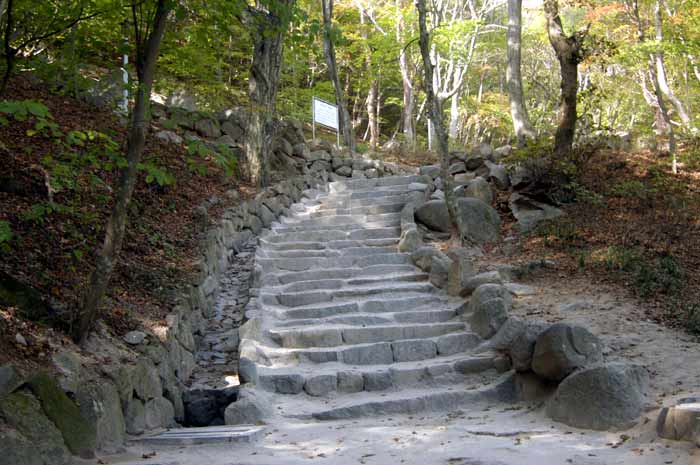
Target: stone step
328	284
357	293
330	245
334	235
338	379
339	220
354	201
362	319
385	353
361	184
305	264
361	210
271	279
327	253
286	228
406	402
386	305
330	336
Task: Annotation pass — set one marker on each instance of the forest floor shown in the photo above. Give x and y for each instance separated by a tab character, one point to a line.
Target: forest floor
54	239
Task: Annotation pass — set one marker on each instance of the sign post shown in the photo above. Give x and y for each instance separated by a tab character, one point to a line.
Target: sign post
325	114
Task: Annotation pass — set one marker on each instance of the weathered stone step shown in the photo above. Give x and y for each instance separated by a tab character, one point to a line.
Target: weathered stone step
368	306
285	229
351	202
359	184
327	253
328	284
361	210
304	264
409	402
361	319
339	220
334	235
330	245
329	336
310	296
271	279
337	378
384	353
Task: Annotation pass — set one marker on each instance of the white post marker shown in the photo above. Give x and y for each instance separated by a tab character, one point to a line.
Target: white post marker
325	114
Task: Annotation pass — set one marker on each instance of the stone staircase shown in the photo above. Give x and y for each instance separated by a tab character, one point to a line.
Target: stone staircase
344	325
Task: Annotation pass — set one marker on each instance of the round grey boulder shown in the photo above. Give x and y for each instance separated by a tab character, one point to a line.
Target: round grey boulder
605	397
563	348
489	306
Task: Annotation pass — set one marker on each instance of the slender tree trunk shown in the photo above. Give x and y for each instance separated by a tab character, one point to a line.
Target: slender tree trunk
329	50
409	103
454	115
373	114
663	119
518	111
268	37
3	6
661	67
435	112
568	52
138	127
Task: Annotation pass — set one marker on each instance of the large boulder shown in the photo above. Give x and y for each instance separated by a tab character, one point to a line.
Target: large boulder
439	270
423	257
482	221
601	398
563	348
208	128
488	309
100	406
529	211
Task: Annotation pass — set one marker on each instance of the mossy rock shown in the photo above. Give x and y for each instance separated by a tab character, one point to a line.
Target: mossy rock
16	449
23	412
78	434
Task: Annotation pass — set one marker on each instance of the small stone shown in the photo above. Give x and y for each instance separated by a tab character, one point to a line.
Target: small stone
134	337
19	339
680	422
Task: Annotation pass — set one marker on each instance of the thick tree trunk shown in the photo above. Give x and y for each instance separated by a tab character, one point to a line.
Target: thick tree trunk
268	38
114	235
435	112
568	50
518	112
329	50
9	52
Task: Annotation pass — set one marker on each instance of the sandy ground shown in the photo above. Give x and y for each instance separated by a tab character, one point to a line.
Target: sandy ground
491	434
485	435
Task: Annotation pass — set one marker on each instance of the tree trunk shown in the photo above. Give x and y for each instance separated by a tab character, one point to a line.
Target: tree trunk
329	50
662	117
372	114
518	112
9	51
435	112
138	127
661	67
268	36
407	121
568	50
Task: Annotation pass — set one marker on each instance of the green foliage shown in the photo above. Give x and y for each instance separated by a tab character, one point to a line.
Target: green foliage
650	276
156	174
222	155
6	236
